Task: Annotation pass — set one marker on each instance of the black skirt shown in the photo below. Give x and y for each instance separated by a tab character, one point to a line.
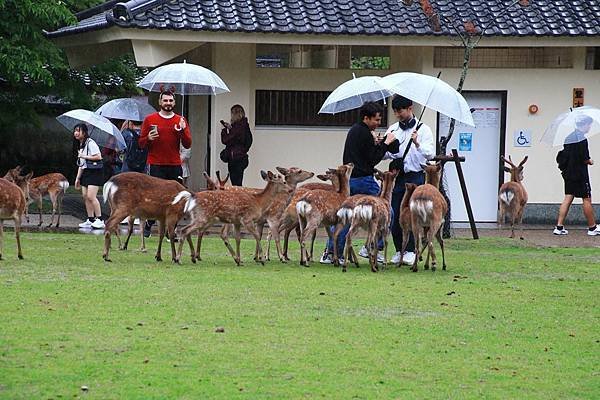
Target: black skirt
92	177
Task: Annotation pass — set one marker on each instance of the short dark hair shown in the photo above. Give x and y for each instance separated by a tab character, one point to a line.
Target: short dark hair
400	102
370	109
166	93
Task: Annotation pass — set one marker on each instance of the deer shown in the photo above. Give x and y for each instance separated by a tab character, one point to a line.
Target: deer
13	204
289	218
512	196
55	185
12	173
145	197
237	207
427	210
319	207
373	213
405	217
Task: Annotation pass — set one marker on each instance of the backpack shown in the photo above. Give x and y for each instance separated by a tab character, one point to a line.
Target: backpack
562	159
248	138
135	155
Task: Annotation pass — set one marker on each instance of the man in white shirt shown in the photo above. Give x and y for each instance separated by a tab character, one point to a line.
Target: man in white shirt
422	149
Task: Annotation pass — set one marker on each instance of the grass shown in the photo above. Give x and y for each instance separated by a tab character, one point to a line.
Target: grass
505	321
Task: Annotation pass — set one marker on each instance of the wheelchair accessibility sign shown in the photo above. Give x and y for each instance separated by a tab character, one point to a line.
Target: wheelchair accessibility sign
522	138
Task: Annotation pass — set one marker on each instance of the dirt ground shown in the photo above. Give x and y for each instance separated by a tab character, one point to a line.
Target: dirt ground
538	236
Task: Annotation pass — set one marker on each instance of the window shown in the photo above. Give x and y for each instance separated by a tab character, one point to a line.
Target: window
322	56
592	59
300	108
505	57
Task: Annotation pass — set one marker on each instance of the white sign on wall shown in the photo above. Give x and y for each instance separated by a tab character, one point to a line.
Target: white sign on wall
522	138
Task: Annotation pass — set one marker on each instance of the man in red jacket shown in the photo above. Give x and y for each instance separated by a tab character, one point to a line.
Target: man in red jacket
162	133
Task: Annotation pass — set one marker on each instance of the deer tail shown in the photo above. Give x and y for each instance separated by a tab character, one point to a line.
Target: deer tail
303	208
506	196
64	185
345	215
108	190
421	207
190	200
364	212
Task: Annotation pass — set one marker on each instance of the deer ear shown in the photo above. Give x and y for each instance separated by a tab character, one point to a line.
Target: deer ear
506	169
263	175
29	175
323	177
283	171
205	174
524	160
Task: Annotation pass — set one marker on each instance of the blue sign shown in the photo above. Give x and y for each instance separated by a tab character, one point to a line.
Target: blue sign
465	141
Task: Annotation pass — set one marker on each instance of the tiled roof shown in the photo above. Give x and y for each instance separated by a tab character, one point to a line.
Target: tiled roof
346	17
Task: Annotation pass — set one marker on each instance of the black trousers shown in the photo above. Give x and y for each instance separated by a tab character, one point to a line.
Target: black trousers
168	172
236	170
418	178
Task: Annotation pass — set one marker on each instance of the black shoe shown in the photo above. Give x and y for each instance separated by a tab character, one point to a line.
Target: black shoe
147	231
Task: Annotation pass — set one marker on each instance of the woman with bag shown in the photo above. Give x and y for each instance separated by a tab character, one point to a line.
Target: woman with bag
89	176
237	138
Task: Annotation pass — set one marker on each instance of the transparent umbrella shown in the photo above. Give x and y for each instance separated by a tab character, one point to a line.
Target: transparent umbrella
430	92
99	128
184	79
573	126
354	93
125	108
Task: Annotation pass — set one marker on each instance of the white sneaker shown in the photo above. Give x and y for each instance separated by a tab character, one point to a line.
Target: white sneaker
562	231
326	258
85	224
380	258
409	258
98	224
595	232
363	252
395	258
136	221
125	221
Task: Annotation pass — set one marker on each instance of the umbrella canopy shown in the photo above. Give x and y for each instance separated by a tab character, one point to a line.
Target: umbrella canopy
354	93
99	128
184	79
129	109
430	92
573	126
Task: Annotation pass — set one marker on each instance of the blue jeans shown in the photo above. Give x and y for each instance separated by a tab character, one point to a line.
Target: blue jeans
362	185
418	178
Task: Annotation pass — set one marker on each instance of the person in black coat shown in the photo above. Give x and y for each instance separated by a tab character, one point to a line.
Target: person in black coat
575	175
237	138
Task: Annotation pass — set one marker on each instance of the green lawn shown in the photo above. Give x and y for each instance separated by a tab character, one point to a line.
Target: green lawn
504	322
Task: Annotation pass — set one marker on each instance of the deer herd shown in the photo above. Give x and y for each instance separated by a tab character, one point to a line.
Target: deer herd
283	204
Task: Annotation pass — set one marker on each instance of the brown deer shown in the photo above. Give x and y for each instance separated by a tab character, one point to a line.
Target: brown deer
55	185
12	173
289	218
319	207
427	210
13	204
405	217
145	197
373	213
512	196
237	207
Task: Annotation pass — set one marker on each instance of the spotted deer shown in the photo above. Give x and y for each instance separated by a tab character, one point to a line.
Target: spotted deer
12	173
145	197
405	217
237	207
13	204
319	208
427	210
512	196
373	213
54	185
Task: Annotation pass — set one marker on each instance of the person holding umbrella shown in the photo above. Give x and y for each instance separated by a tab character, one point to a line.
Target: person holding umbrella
574	160
162	134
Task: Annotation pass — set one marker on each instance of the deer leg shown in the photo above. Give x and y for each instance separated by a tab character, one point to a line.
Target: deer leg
225	239
111	227
417	236
129	232
260	227
198	245
301	227
309	229
161	235
143	239
238	238
440	240
336	234
18	236
1	237
188	238
171	223
274	234
53	200
372	240
256	231
59	200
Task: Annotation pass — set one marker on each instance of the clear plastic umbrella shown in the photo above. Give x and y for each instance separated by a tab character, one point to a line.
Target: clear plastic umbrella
126	108
573	126
99	128
184	79
430	92
354	93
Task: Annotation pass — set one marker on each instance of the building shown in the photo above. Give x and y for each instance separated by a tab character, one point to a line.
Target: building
280	59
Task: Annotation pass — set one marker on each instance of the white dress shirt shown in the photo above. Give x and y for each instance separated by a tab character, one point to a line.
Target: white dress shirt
415	156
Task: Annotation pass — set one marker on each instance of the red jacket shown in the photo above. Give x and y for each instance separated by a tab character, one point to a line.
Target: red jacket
164	150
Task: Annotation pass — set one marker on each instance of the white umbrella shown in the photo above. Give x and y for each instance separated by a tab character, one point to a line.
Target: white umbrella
126	108
573	126
99	128
184	79
430	92
354	93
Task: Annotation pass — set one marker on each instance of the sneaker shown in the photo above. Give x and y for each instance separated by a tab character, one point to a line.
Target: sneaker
363	252
136	221
562	231
595	232
409	258
125	221
85	224
326	258
395	258
98	224
147	231
380	258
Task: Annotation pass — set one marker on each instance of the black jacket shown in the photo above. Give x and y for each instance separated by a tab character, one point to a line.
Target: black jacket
361	150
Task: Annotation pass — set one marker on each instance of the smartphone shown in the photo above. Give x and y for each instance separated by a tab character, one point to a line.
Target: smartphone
223	123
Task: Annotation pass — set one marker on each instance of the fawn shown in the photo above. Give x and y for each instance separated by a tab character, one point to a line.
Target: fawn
55	185
405	217
427	211
512	196
13	204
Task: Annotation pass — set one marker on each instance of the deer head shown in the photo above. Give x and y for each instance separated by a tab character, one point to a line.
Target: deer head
516	171
432	173
294	175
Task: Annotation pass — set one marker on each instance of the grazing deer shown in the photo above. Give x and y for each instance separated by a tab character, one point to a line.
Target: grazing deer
427	210
13	204
55	185
145	197
237	207
319	207
512	196
289	218
375	215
